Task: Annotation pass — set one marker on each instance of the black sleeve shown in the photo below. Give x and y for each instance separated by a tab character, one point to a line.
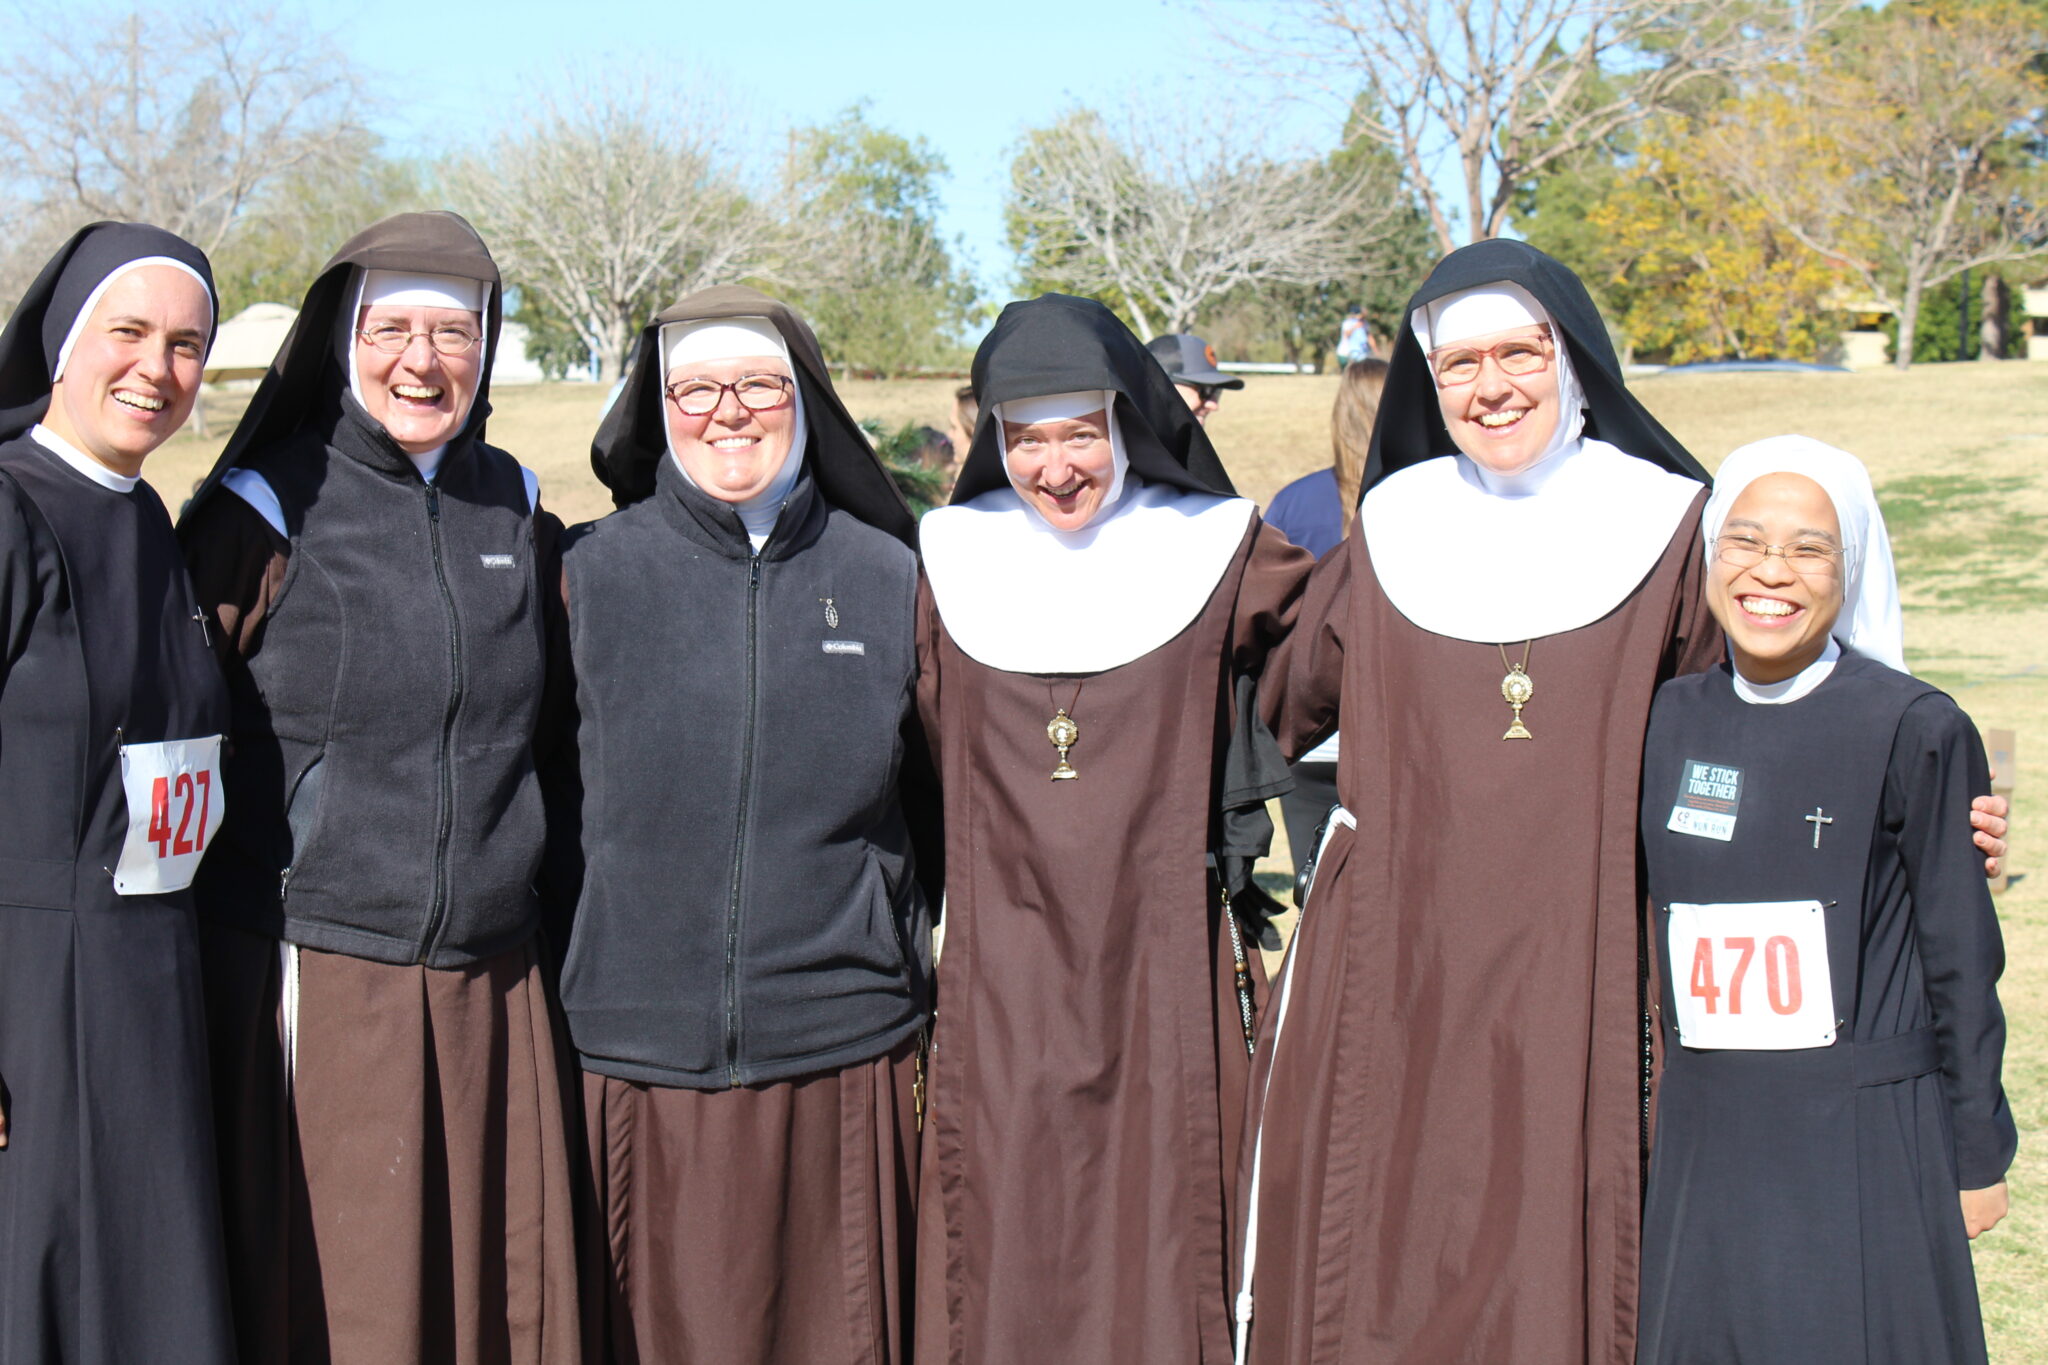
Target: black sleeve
555	752
18	577
1937	767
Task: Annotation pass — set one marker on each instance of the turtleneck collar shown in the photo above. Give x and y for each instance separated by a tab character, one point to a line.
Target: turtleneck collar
1791	689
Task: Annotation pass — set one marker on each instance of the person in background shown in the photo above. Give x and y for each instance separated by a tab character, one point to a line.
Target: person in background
1830	1098
111	715
1354	335
960	429
1191	363
1315	512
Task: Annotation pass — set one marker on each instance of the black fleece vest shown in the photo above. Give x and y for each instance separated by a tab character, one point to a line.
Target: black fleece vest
385	784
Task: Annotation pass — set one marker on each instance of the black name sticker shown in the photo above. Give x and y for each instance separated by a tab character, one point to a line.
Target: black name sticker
1708	795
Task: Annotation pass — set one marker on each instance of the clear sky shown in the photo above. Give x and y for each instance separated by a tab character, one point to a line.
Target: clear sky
970	77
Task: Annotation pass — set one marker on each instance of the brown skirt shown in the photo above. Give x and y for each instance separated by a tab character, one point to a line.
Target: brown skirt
404	1195
769	1225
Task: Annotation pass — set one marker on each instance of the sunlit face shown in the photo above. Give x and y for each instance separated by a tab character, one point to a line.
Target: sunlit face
1502	421
419	395
732	452
134	372
1778	611
1063	468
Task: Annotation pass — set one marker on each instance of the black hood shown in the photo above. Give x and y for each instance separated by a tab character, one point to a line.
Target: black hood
307	384
1410	428
1057	343
632	441
44	317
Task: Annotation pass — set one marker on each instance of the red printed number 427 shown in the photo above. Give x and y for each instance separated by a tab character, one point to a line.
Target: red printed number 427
192	794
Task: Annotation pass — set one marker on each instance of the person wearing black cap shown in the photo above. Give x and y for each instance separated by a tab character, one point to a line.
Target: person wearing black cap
749	823
111	717
1448	1163
1190	363
1098	604
395	1140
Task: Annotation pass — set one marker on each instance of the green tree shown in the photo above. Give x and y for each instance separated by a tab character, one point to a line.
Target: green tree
872	272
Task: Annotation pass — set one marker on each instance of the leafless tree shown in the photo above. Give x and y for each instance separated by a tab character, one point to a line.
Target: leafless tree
1164	217
1906	153
174	117
1505	89
606	203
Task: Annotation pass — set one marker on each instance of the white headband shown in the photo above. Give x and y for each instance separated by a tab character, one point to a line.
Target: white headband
99	290
1065	407
690	343
1871	622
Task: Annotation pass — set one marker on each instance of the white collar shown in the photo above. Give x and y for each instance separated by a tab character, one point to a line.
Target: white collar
1790	689
1556	551
82	462
1019	596
429	463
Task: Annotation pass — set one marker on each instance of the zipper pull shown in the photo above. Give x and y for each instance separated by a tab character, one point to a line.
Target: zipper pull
754	572
433	503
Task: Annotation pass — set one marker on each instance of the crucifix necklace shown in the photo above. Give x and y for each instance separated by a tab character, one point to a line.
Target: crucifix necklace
1517	687
1063	733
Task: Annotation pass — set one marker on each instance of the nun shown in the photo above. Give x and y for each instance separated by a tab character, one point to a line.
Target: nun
1831	1126
111	717
394	1113
1098	605
748	818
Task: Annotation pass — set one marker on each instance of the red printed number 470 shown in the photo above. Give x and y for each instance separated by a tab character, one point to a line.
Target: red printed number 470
1781	973
191	790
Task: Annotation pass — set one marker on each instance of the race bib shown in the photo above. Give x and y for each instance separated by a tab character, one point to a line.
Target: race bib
1752	976
174	807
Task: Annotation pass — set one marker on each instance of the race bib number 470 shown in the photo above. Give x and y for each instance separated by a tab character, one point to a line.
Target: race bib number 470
1752	975
174	807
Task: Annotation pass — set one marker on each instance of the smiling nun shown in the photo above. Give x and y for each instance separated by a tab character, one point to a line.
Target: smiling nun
1096	596
111	715
751	819
394	1142
1831	1126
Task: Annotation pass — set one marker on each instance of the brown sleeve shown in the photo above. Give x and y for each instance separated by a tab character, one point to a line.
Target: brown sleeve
237	561
1304	674
1697	643
1268	597
928	669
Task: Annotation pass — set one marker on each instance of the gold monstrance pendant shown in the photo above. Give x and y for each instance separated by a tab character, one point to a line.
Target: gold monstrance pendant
1517	687
1063	733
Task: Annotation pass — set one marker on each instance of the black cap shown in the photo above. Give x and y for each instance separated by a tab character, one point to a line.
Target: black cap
1190	360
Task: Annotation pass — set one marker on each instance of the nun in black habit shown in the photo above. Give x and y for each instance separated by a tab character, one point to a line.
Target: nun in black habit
749	827
1098	600
111	715
394	1111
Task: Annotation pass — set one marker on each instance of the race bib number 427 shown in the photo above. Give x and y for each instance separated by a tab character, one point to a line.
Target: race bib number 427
174	807
1752	975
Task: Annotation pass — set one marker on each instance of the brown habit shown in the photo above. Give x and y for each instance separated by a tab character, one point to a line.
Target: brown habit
1086	1069
1453	1130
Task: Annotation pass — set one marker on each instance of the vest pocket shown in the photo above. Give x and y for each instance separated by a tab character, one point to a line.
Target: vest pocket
302	808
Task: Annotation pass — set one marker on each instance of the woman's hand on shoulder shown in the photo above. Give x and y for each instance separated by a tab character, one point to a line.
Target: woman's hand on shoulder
1988	822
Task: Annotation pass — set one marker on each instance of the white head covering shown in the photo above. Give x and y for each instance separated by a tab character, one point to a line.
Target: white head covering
1871	622
382	288
1465	552
92	301
1018	594
690	343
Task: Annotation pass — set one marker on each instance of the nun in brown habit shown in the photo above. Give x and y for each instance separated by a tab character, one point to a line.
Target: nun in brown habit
1098	601
392	1102
746	830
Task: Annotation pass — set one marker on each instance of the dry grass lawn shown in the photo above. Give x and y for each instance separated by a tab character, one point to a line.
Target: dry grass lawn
1960	457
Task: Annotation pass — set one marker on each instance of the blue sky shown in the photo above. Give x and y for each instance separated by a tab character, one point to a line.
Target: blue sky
969	77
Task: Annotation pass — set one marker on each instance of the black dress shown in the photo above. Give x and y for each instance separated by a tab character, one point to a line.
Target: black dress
110	1241
1802	1204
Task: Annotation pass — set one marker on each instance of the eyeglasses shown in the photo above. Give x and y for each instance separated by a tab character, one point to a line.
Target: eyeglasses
756	392
1208	393
1808	558
393	339
1456	365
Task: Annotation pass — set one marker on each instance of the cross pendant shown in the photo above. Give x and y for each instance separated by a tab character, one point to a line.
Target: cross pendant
1817	820
204	634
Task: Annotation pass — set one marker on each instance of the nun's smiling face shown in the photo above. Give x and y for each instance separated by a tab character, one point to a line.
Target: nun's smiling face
134	372
1499	411
420	394
1776	585
1063	468
733	451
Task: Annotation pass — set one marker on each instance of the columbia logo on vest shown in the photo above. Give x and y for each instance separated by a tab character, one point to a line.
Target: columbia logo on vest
496	561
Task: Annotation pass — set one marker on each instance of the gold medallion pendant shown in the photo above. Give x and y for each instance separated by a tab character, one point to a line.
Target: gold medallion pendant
1517	687
1063	733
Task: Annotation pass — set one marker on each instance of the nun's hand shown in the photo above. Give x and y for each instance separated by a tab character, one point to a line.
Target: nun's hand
1982	1209
1987	820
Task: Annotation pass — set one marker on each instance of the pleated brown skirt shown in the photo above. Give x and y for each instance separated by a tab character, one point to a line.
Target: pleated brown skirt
768	1225
404	1193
